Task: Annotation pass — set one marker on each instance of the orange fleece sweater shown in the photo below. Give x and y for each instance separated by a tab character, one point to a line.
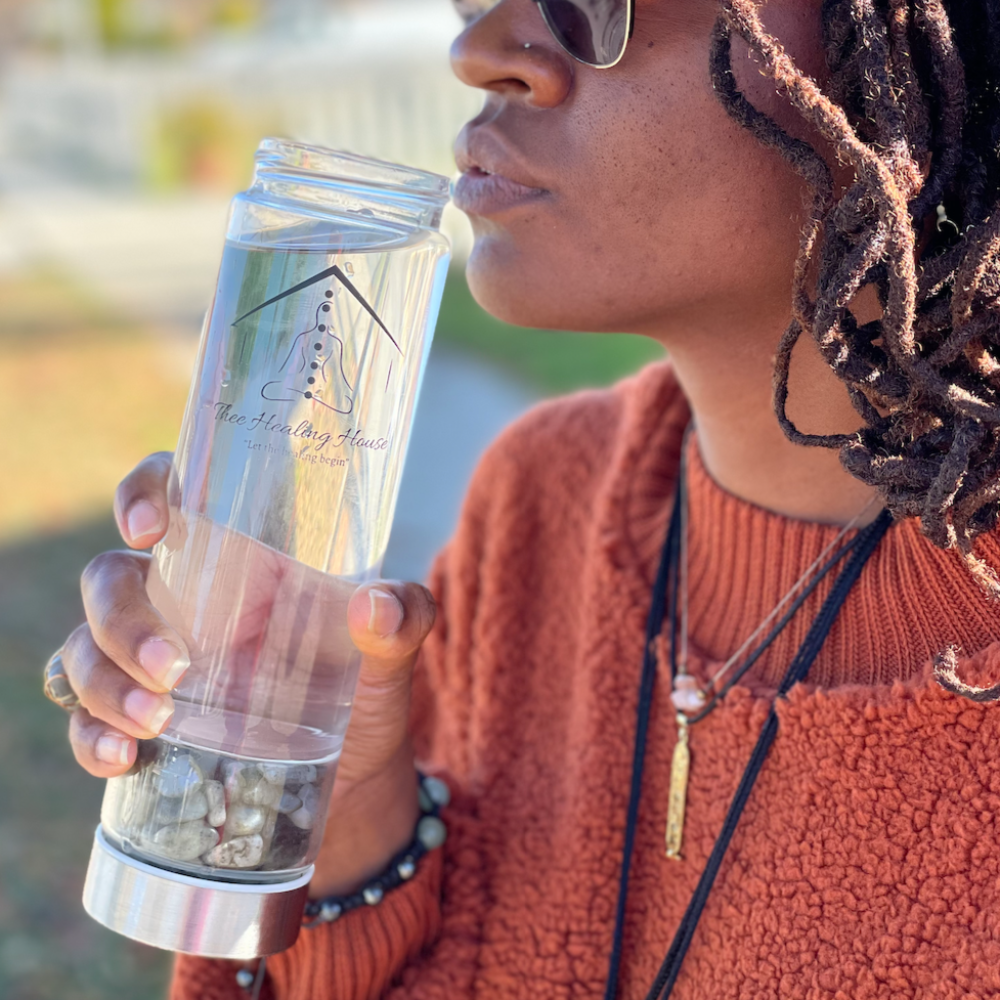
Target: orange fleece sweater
867	863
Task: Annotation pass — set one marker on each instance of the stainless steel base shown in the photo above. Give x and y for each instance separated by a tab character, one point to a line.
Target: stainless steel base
193	915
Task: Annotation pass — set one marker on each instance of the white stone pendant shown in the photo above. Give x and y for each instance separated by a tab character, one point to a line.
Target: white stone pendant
687	696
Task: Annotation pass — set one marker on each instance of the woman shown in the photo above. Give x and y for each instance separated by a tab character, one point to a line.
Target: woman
802	193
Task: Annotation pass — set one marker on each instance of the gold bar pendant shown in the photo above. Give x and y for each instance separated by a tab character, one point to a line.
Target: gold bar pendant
679	771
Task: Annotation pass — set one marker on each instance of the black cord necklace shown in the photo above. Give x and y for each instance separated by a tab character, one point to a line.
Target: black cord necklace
857	552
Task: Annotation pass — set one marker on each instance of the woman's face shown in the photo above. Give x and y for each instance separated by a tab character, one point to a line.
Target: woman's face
626	199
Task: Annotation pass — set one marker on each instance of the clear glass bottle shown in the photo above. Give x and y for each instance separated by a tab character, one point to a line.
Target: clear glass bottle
281	502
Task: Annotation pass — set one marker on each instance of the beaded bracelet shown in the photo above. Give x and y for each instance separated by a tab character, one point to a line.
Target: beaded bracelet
431	833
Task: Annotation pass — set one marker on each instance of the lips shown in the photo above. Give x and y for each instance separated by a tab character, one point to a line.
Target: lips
481	193
490	182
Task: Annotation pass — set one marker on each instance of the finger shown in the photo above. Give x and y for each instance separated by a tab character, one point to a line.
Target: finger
109	694
99	748
389	622
126	627
141	501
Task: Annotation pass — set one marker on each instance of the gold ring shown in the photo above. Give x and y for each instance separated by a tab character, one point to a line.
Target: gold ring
57	686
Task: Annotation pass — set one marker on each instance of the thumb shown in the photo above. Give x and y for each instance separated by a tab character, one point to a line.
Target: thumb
389	622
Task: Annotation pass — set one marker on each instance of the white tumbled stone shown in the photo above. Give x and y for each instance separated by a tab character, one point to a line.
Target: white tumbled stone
240	852
288	803
277	774
178	776
300	774
186	841
305	816
244	820
182	810
261	793
237	777
215	795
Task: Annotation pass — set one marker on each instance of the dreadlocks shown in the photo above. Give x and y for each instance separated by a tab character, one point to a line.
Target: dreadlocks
912	106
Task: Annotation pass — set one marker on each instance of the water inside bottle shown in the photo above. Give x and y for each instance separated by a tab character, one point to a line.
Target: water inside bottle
272	664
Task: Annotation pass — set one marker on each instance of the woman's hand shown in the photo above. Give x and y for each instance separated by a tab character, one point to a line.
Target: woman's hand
126	659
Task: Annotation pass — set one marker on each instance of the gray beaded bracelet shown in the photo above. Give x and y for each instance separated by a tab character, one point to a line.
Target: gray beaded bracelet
431	833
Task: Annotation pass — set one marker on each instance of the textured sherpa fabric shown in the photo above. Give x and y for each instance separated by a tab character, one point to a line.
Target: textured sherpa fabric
867	864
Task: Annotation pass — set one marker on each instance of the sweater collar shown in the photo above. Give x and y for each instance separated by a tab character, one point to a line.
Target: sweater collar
912	601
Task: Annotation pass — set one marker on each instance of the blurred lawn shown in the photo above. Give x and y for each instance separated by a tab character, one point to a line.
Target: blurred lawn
83	395
49	949
552	362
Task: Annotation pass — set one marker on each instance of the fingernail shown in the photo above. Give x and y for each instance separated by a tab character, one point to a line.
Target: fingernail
143	519
386	612
151	711
112	750
163	661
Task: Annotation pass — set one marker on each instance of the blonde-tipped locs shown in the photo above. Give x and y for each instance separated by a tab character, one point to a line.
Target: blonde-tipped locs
912	106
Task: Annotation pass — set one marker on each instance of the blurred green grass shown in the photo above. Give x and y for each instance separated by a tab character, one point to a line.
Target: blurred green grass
553	362
84	394
49	949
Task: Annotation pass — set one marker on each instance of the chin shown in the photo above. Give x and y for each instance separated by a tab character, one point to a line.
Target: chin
523	289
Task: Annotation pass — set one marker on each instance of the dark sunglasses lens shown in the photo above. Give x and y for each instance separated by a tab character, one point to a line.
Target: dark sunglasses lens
593	31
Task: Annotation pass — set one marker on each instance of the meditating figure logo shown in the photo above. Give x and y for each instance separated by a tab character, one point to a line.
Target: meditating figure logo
314	368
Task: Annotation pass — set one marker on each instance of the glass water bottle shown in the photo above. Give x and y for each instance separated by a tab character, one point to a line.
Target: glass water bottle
281	502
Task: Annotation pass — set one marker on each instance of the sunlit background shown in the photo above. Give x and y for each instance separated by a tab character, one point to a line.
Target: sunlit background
125	126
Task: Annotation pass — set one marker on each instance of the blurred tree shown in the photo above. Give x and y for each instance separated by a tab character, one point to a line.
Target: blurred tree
163	23
237	13
113	22
205	143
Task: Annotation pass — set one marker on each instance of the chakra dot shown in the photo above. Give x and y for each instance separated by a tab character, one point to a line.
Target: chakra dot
322	328
315	364
326	307
319	347
312	381
308	395
329	295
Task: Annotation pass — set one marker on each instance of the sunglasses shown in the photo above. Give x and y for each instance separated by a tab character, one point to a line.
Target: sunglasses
594	32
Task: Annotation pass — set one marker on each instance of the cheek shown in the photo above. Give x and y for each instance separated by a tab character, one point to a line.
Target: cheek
663	206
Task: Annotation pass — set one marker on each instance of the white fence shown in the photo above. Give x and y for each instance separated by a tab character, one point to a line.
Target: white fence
374	78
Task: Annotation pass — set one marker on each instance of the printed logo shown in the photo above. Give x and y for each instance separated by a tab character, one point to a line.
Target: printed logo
314	367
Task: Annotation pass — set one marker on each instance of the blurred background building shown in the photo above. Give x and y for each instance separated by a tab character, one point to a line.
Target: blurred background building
125	127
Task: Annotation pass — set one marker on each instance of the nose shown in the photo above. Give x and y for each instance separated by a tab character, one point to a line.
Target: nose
508	51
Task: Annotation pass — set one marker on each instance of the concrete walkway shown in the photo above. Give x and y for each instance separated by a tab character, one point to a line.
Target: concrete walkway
463	405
